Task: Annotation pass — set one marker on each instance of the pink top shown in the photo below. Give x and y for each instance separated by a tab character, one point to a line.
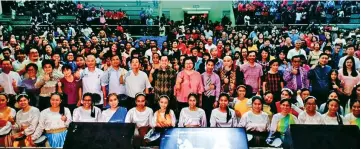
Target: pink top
190	84
349	81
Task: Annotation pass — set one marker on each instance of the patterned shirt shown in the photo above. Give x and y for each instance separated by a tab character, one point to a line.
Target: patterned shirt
251	75
164	81
230	86
273	82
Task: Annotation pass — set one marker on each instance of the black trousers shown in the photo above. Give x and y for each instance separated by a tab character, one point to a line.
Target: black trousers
207	105
321	97
180	106
129	103
71	107
12	101
44	102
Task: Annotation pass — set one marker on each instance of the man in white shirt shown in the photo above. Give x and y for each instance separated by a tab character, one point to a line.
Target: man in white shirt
210	44
296	51
136	81
33	57
9	81
113	77
350	52
91	83
149	53
208	33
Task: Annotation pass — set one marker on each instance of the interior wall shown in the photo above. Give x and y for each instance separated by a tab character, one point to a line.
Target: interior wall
177	13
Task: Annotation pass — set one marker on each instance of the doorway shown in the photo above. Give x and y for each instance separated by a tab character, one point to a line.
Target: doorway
194	18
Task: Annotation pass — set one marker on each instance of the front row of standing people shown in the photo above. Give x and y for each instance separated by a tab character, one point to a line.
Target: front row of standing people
262	118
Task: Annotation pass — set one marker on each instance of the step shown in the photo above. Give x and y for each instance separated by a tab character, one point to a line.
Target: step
354	21
355	16
122	4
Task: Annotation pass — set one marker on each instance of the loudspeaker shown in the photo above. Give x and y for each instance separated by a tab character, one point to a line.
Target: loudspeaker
325	136
82	135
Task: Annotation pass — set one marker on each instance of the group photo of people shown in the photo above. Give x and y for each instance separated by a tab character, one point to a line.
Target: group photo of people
260	77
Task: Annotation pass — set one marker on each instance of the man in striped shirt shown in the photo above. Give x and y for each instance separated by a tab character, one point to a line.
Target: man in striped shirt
212	88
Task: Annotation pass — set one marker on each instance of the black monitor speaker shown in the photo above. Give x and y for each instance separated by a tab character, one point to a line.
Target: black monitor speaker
325	136
83	135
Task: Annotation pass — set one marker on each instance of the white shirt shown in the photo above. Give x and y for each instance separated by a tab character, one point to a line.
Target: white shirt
29	119
149	54
208	33
17	65
82	115
332	120
298	16
107	115
293	52
350	119
342	60
51	120
219	119
192	118
304	118
209	47
255	122
91	82
6	81
141	119
136	83
111	78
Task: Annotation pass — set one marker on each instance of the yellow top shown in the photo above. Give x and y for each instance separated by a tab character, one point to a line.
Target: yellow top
242	106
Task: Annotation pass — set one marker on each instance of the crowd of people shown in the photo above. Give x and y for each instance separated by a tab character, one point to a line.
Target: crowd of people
260	78
299	12
42	12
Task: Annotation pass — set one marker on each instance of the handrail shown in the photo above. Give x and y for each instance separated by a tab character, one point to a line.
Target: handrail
298	24
91	25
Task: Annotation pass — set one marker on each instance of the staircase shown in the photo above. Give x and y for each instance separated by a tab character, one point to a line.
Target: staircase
132	8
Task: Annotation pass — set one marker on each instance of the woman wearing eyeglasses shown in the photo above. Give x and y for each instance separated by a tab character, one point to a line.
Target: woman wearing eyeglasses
115	114
192	116
87	112
142	116
54	121
310	115
188	81
7	115
27	120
